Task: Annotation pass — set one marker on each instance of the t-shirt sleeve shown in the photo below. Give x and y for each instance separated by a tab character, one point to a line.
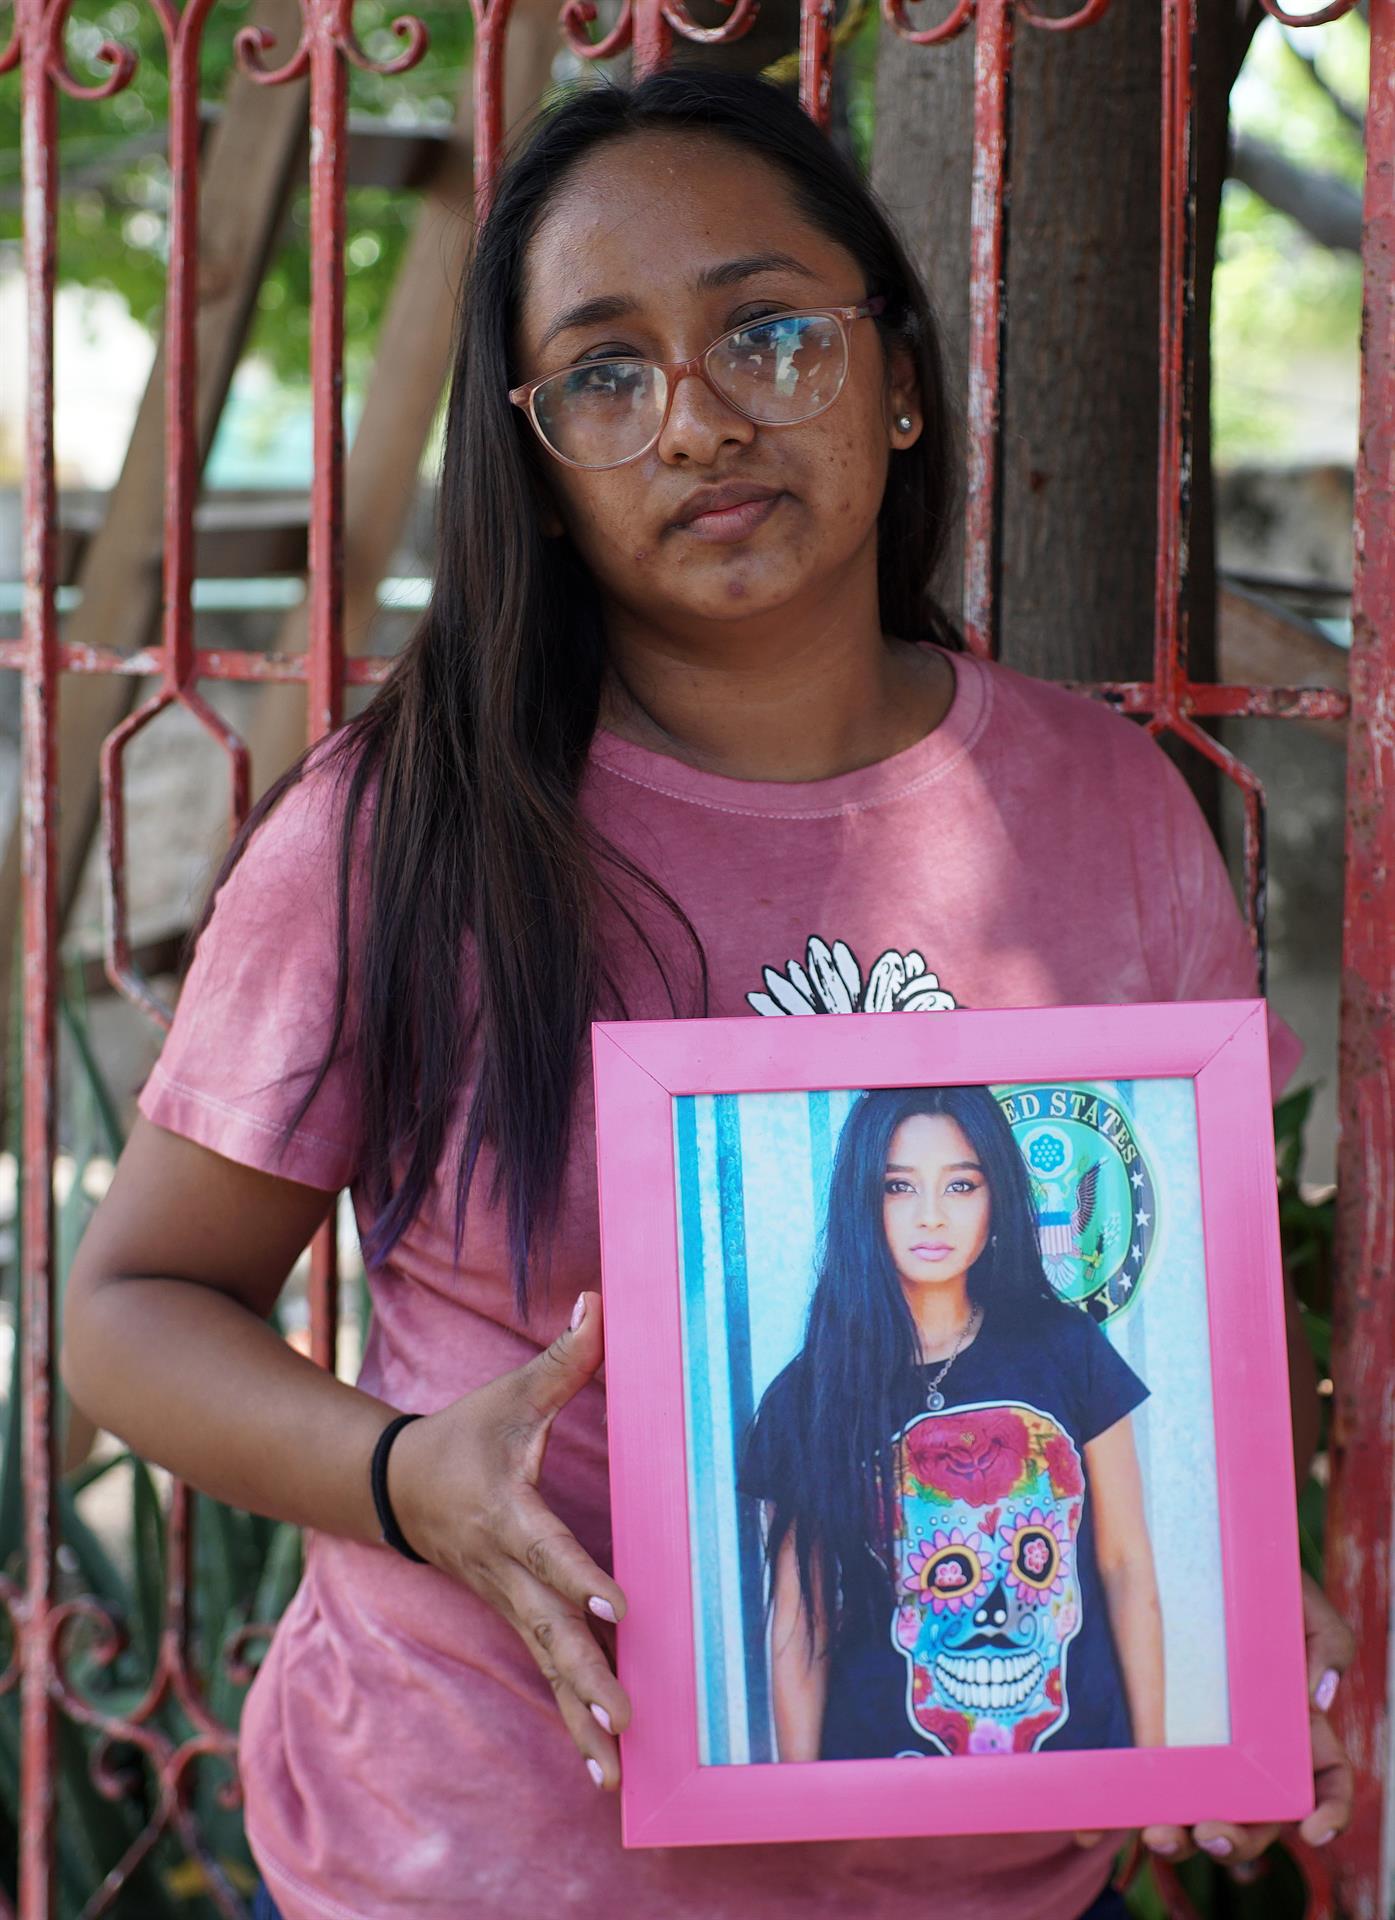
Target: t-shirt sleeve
256	1011
1109	1387
764	1466
1198	944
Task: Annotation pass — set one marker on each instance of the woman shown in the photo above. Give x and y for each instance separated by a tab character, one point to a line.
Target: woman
970	1580
681	695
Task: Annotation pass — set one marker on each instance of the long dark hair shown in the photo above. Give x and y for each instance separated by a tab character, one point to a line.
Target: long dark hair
852	1383
466	766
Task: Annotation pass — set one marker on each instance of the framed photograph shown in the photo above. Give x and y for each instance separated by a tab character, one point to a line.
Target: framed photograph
949	1424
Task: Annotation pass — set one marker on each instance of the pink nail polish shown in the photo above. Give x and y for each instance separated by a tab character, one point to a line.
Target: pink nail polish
578	1311
1162	1846
1326	1690
1326	1839
601	1608
1220	1848
593	1767
599	1714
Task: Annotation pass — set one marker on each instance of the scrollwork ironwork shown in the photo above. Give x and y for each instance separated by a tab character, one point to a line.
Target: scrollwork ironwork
577	15
1085	16
171	1683
236	1665
406	27
333	20
736	26
1337	10
252	44
110	53
896	17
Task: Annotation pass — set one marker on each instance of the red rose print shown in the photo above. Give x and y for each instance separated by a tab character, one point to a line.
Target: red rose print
920	1686
1026	1732
975	1456
950	1729
1053	1686
1063	1464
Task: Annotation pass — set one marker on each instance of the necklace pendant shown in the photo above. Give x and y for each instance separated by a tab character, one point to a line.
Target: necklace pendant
934	1400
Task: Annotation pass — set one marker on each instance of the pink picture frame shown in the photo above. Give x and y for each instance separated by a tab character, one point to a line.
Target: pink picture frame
1261	1770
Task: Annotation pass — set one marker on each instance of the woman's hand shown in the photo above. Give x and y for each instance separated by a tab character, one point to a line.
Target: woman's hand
463	1485
1330	1650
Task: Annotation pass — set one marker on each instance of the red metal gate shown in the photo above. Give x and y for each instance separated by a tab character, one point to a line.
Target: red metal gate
1359	1529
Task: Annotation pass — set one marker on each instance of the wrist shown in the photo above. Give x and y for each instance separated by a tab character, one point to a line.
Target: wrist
394	1482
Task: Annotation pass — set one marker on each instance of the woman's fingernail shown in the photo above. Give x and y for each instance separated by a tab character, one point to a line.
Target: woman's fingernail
599	1713
601	1608
1325	1839
1326	1690
1162	1846
593	1767
578	1311
1220	1848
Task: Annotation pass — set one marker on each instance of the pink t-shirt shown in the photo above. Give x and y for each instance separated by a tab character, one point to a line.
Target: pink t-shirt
399	1751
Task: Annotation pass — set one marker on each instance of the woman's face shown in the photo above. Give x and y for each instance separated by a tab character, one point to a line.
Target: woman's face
658	245
936	1207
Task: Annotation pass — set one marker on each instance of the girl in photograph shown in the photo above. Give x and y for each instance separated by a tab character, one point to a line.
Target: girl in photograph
683	730
958	1553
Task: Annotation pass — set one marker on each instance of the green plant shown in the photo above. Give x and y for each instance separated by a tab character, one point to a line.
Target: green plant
245	1570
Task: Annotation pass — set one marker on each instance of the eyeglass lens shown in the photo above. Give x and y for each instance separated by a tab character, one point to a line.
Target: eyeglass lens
777	372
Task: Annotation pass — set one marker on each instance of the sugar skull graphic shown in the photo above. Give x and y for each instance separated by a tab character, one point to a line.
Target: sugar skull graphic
990	1504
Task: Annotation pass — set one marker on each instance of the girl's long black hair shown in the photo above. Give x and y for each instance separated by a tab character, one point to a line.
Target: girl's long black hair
850	1387
476	885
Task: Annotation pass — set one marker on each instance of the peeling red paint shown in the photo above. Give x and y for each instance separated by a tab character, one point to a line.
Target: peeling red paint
816	59
1363	1473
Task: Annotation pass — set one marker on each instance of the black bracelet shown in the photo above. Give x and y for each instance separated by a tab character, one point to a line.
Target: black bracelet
393	1535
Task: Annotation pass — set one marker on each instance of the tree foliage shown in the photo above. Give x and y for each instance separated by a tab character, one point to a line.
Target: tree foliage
1282	302
115	184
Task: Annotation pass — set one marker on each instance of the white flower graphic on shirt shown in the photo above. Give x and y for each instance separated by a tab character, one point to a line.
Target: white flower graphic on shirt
831	981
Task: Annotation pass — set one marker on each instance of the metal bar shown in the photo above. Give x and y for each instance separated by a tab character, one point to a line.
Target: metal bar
184	37
39	800
209	664
329	97
1201	698
988	242
653	37
1207	702
816	59
1363	1475
491	32
1177	310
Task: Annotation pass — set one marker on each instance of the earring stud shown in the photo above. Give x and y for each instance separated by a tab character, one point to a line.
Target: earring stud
904	423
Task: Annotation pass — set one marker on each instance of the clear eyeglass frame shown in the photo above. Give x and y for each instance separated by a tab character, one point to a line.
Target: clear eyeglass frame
671	372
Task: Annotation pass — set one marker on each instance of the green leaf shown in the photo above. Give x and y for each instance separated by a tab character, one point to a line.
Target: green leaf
281	1575
92	1471
148	1522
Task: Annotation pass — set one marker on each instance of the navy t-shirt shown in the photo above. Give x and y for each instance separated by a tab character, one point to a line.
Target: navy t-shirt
1000	1639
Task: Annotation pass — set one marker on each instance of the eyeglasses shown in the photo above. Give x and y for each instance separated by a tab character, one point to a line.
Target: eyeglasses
778	372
